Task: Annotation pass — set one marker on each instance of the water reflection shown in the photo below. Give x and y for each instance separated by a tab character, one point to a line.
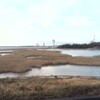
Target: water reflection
78	52
72	70
6	52
66	70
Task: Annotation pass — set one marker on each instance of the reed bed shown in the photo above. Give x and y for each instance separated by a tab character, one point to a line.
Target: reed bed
18	61
47	88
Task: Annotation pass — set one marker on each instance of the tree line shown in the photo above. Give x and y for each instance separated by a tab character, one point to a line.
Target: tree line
81	46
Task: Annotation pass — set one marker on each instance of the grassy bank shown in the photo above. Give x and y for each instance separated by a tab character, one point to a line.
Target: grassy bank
23	60
47	88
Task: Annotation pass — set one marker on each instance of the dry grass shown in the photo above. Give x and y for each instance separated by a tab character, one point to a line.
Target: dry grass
46	88
18	61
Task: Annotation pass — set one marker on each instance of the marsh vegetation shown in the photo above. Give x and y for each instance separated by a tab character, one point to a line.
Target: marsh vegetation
36	88
46	88
23	60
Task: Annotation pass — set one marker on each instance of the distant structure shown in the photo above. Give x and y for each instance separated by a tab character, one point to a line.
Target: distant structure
53	42
93	39
37	44
43	44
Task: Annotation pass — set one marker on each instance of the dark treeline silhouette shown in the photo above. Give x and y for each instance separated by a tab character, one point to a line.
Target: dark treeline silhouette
81	46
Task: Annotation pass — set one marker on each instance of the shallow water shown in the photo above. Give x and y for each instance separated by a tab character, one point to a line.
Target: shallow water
5	54
73	70
6	51
65	70
78	52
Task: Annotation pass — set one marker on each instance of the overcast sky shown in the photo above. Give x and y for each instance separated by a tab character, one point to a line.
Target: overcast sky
28	22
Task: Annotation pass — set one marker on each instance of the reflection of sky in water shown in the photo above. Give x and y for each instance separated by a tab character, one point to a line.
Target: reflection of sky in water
78	52
58	70
8	75
81	52
5	54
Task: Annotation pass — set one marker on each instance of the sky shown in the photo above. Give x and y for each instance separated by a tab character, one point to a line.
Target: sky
31	22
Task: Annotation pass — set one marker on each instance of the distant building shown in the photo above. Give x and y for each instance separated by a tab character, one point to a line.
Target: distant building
53	42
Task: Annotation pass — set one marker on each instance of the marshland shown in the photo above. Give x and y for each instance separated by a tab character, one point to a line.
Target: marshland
45	87
23	60
49	49
38	88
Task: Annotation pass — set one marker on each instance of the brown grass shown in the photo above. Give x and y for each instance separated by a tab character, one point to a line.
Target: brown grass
45	88
18	61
